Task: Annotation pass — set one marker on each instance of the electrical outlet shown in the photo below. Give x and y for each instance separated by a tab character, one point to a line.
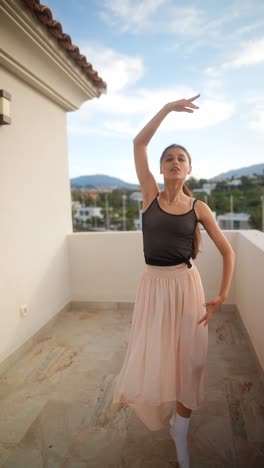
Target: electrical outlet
23	310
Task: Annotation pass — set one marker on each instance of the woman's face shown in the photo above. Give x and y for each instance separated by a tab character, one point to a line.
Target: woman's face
175	164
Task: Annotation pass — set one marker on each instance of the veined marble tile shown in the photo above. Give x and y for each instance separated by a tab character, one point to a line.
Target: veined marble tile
211	437
18	411
95	447
50	435
78	385
43	361
245	399
56	401
5	452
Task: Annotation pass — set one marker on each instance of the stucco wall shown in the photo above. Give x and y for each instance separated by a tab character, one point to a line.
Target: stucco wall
107	266
250	286
35	207
29	52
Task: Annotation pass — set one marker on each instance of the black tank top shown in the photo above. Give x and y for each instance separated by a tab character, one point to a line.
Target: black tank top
168	238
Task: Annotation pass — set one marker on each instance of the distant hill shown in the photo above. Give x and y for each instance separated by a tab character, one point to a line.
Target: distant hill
243	171
101	181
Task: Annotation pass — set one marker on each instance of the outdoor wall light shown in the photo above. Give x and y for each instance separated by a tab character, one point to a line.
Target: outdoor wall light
5	99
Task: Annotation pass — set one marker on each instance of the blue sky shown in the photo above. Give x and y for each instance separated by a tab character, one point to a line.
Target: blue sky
153	52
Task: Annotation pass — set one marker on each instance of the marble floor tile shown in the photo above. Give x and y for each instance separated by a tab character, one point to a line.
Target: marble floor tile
96	447
48	438
56	401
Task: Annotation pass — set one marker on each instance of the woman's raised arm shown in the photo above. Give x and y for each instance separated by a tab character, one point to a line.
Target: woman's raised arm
144	136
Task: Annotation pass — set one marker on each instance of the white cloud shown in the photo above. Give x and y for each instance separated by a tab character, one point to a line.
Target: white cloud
118	70
138	109
124	111
119	127
249	28
183	21
258	122
256	114
162	16
128	14
251	53
214	84
213	72
211	112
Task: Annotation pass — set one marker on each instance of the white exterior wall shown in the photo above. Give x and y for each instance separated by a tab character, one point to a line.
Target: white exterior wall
29	52
35	197
35	207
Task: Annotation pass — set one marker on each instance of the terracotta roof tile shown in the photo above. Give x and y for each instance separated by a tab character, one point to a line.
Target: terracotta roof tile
44	15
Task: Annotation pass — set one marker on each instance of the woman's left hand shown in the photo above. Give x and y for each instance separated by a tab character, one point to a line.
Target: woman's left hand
211	306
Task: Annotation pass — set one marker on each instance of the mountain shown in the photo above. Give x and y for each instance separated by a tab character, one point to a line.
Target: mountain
101	181
243	171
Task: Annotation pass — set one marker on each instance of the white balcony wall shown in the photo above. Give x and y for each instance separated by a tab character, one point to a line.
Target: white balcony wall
250	286
46	272
209	263
106	266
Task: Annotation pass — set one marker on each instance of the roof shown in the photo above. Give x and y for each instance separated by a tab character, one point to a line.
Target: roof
44	16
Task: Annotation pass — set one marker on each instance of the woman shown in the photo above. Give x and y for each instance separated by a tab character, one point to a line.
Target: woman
164	368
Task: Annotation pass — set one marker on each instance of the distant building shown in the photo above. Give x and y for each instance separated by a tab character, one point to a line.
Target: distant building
138	223
76	205
234	183
206	188
233	221
82	213
136	196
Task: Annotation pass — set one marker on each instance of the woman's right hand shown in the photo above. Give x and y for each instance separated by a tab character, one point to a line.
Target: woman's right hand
183	105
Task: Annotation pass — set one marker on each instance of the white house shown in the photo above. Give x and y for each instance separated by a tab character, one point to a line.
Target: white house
234	183
234	221
206	188
89	212
46	77
136	196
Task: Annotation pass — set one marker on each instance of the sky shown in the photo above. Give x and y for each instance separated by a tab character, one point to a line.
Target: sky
154	52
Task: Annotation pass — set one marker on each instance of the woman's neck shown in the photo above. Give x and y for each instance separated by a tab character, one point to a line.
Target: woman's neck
173	193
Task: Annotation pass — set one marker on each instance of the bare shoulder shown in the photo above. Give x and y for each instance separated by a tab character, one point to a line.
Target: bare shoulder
207	218
202	210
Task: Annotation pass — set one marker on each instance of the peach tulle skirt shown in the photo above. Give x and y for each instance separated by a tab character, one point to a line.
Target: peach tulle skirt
166	355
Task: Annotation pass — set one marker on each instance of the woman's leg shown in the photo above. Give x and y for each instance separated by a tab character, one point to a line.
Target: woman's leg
183	411
178	431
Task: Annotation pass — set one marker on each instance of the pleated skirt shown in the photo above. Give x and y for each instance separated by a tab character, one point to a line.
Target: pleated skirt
166	355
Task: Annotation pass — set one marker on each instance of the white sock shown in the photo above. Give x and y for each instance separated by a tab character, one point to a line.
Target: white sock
173	415
178	431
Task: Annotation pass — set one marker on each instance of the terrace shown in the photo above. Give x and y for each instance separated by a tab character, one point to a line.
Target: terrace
56	388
